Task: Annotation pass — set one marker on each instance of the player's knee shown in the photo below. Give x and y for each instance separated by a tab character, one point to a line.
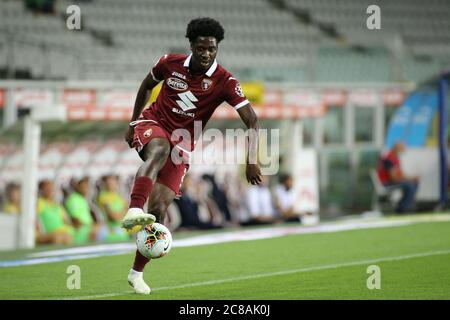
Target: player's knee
157	151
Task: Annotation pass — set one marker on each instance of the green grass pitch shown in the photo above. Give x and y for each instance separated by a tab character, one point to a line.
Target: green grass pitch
414	261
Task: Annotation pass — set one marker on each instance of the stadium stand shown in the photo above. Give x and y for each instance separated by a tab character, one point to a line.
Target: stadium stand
408	18
302	41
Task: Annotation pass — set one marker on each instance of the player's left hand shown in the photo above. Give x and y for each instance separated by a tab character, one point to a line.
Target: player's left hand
253	173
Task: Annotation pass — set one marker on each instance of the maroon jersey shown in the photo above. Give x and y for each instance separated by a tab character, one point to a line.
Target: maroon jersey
186	97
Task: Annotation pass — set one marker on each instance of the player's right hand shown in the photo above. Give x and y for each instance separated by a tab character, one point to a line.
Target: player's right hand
129	136
253	173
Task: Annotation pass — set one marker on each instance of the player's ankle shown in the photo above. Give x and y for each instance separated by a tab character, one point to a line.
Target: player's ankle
139	262
134	272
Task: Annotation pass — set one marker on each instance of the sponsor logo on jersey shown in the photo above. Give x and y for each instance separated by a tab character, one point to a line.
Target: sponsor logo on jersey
148	133
179	75
176	84
186	102
206	84
187	114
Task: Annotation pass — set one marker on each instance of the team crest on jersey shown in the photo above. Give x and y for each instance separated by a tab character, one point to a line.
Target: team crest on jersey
148	133
206	84
176	84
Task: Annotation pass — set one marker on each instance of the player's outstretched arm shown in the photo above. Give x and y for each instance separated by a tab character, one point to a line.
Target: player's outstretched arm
143	94
248	116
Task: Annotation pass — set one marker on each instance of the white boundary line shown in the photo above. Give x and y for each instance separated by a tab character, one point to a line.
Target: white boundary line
270	274
86	252
99	250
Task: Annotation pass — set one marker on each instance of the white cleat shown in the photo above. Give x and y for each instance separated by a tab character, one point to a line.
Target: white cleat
136	216
136	280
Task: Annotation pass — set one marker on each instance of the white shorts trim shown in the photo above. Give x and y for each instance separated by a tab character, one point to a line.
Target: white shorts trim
135	123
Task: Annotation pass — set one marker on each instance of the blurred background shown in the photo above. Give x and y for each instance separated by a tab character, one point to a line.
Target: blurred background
340	94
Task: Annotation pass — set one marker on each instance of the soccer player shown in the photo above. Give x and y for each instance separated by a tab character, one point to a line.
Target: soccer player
193	87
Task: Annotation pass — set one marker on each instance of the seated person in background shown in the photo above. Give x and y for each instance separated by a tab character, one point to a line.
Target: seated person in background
189	206
284	199
112	203
259	204
208	210
234	189
12	201
390	173
53	224
218	195
77	206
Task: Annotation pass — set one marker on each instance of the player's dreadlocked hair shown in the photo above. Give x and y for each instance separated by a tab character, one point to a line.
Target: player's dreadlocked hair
204	27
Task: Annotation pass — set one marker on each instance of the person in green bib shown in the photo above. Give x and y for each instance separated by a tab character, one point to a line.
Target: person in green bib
53	225
112	203
79	209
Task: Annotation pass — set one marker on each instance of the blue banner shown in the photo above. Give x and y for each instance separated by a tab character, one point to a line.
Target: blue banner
421	120
399	126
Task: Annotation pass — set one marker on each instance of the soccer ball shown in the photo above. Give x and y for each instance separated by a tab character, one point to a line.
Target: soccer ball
154	241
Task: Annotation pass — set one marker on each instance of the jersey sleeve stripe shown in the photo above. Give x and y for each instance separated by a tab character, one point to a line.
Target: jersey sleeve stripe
241	104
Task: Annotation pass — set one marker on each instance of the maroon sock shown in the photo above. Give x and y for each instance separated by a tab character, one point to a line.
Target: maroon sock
139	262
141	190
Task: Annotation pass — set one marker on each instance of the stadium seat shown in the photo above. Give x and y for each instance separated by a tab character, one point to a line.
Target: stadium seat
383	195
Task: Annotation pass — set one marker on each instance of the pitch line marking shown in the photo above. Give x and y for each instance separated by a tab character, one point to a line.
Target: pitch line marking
271	274
98	250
